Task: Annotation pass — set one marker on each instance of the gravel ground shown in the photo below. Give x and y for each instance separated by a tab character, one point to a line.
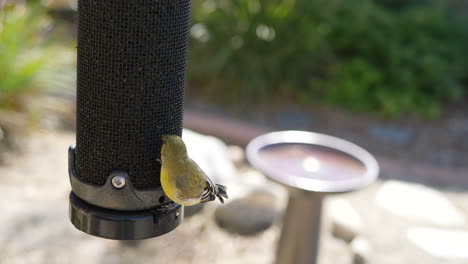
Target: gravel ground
34	226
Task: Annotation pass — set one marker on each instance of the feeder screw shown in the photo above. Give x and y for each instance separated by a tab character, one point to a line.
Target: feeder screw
118	182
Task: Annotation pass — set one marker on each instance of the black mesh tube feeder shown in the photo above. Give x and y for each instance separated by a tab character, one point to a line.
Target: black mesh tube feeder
130	85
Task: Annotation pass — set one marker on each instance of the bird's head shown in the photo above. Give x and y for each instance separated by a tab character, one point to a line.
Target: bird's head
173	146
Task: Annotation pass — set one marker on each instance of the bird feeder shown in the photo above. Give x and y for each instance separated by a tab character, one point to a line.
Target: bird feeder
130	85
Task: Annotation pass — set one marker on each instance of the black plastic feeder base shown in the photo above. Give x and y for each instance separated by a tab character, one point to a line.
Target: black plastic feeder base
124	225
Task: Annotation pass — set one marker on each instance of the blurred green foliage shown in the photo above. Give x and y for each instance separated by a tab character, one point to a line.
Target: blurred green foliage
390	57
27	52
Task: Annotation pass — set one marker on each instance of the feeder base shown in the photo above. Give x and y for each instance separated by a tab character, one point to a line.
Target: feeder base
124	225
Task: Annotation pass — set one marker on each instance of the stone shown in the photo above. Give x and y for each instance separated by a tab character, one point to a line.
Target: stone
361	250
236	154
346	222
416	202
248	181
440	243
211	155
249	215
253	179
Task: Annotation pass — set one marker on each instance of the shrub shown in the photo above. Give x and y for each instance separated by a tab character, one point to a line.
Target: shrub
27	55
362	54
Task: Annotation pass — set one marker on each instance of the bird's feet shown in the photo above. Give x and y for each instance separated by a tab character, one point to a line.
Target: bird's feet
213	191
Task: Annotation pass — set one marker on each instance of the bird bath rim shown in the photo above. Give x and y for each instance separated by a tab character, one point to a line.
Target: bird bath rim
313	139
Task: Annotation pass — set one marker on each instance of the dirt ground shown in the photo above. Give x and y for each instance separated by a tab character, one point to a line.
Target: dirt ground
34	226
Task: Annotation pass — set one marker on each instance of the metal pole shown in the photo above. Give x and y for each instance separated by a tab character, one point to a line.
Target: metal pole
300	234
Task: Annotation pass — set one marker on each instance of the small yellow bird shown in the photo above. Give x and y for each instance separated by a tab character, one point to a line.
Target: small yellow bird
182	179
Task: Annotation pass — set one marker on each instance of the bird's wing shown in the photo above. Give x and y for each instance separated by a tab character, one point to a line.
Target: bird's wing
191	181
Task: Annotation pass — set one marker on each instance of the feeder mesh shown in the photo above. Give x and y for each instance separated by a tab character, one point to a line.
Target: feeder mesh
131	76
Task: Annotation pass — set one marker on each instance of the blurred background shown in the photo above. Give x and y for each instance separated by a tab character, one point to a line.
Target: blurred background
388	75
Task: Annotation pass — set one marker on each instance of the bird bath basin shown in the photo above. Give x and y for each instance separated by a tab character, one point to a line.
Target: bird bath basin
312	162
311	165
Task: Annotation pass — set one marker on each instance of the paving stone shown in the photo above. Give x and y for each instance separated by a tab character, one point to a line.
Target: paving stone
248	181
440	243
361	250
236	154
417	202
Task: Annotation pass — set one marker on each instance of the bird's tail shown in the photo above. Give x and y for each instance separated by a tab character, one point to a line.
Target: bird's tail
213	191
221	192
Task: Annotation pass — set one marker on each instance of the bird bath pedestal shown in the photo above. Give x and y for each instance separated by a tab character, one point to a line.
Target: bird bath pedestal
311	165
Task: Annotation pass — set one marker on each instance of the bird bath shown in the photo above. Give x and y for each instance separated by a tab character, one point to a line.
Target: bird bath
311	165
